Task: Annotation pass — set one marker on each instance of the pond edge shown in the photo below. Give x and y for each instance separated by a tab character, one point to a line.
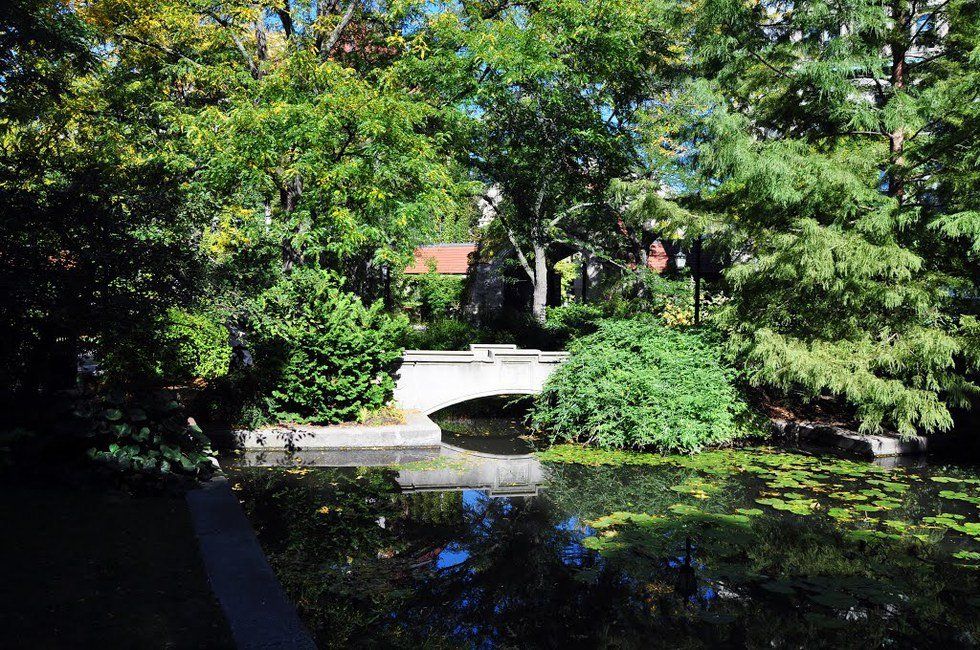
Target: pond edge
251	597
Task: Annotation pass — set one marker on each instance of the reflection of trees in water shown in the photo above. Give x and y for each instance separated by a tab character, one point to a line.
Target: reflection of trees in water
523	581
591	492
369	566
775	579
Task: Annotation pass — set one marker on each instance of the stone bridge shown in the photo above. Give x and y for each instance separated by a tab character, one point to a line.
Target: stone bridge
430	380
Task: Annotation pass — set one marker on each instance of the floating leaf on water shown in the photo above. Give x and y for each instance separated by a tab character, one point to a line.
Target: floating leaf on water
966	555
887	504
959	496
749	512
891	486
848	496
877	494
865	535
865	507
839	513
620	518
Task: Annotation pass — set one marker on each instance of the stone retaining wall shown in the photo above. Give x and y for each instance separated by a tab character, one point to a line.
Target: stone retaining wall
865	445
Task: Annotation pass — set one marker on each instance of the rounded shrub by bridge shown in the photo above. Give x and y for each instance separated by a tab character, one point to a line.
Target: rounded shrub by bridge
638	384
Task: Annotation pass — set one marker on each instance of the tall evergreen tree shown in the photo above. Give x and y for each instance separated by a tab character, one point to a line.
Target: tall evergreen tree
809	129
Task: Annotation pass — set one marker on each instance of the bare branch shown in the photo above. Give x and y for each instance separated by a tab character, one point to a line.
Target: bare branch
595	252
517	249
339	29
574	208
227	24
156	46
286	18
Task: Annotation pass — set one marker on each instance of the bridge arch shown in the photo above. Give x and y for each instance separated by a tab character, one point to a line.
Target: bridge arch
430	380
496	392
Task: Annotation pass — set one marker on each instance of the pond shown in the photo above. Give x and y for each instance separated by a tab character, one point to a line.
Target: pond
569	547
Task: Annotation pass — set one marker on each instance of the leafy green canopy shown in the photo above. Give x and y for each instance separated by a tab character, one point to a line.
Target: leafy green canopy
638	384
802	128
550	92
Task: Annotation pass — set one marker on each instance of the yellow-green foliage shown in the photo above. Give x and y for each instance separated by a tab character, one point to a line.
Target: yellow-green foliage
434	296
196	346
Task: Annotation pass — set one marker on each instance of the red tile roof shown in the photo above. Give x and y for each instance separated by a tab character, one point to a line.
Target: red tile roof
450	259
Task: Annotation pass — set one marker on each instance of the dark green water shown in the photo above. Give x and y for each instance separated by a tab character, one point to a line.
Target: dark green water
785	550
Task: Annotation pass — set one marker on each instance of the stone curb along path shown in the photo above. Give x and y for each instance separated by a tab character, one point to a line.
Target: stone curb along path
417	431
254	603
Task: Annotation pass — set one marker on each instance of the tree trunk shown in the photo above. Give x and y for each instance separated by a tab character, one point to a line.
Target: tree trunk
899	47
540	282
289	197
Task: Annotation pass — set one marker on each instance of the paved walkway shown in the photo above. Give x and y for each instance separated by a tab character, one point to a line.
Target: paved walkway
258	612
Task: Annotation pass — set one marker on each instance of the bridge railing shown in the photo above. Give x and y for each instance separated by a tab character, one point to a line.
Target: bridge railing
484	353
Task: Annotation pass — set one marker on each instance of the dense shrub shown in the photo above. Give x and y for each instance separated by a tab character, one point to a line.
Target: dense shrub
451	334
332	357
638	384
195	346
571	320
433	296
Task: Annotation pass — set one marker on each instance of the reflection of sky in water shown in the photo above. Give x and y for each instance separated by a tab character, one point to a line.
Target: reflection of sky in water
475	504
452	555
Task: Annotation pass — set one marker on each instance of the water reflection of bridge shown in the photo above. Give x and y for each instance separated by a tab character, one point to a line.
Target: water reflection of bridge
447	468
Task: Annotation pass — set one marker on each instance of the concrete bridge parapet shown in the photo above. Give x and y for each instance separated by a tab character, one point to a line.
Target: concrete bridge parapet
430	380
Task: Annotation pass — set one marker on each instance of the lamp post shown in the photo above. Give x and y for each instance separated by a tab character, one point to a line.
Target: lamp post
697	280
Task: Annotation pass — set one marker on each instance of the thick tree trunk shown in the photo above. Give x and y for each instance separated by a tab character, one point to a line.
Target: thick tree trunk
539	299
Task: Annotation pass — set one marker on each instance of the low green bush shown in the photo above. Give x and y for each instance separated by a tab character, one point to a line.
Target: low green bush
443	334
147	434
573	319
638	384
195	346
330	355
451	334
